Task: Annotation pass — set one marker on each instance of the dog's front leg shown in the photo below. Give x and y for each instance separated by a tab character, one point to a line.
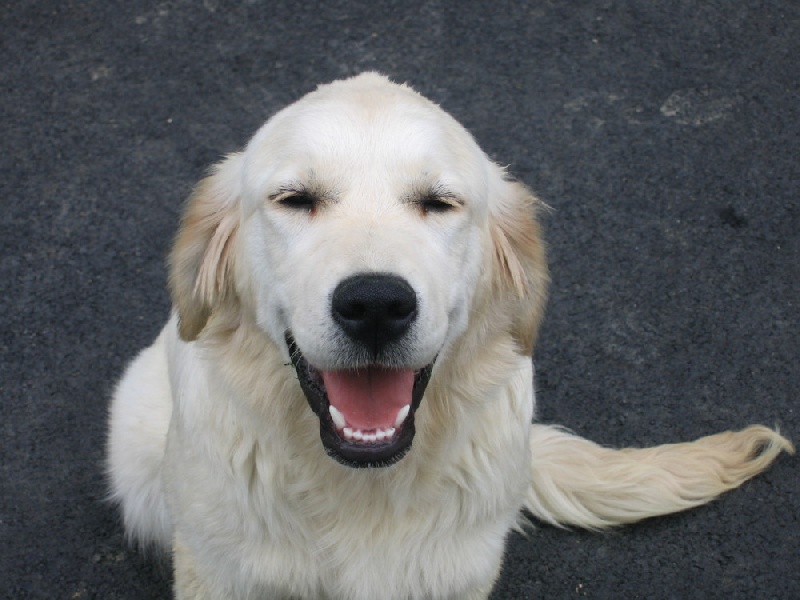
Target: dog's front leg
482	591
189	585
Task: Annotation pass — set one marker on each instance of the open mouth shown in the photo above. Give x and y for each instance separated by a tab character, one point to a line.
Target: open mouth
366	415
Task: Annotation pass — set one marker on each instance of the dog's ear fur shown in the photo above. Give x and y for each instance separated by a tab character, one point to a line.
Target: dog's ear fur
520	267
203	255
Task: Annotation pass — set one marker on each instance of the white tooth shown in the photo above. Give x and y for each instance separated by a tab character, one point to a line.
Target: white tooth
338	417
348	433
357	435
380	435
370	437
401	416
390	432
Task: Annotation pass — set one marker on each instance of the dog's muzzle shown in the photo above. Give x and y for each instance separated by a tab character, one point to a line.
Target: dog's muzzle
367	412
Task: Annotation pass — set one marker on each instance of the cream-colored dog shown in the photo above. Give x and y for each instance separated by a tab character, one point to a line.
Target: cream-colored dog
340	406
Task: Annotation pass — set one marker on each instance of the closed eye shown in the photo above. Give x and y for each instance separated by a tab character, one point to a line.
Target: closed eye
436	203
297	200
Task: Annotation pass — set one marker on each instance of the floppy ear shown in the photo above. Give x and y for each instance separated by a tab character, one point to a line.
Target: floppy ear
520	268
202	257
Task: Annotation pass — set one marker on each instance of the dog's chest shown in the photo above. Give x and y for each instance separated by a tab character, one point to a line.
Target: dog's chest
361	539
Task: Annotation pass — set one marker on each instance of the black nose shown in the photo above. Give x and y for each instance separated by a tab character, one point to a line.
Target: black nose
374	309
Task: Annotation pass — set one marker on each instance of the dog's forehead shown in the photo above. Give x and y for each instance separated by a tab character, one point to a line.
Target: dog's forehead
367	126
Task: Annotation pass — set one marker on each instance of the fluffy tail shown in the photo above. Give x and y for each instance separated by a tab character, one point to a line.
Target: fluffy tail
576	482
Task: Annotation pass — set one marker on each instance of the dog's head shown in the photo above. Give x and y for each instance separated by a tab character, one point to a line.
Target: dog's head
364	231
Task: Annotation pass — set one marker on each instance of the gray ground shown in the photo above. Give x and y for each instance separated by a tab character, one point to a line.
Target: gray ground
665	136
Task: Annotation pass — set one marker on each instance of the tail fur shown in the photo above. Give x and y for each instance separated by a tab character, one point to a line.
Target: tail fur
578	483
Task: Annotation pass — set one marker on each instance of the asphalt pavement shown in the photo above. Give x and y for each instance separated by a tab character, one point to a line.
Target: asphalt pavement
664	135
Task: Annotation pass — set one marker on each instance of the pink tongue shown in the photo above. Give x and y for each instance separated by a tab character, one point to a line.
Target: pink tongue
369	398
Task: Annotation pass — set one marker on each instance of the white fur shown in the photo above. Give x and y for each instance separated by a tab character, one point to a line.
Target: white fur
213	449
140	416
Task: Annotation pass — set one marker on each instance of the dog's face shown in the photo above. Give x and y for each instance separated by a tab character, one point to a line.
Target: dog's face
361	227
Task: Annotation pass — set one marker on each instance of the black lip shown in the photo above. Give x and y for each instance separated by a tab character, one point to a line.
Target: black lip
350	452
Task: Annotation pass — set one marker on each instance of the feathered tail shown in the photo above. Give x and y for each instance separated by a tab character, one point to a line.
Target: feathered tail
578	483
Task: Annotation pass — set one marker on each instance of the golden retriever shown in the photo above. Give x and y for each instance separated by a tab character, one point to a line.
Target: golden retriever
341	405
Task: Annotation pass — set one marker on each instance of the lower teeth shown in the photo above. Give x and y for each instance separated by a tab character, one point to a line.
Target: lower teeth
369	436
379	435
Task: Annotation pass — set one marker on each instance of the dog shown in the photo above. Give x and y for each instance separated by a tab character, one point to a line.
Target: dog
341	404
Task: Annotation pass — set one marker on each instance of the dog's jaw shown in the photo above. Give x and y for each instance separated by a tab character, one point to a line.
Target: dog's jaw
348	443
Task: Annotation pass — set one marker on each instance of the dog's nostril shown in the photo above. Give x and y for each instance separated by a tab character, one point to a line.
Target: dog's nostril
352	311
374	309
400	310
